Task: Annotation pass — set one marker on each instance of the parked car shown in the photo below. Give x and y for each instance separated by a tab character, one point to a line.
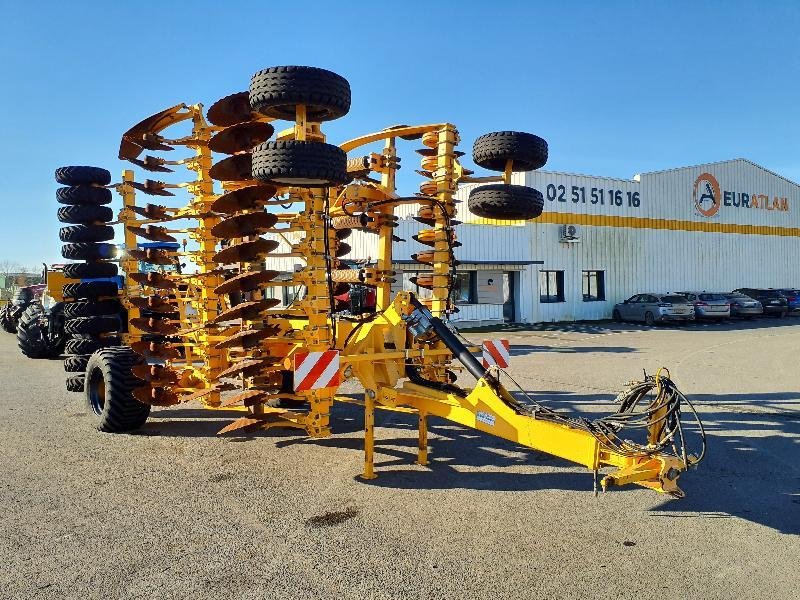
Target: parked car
773	301
654	308
744	306
792	297
708	305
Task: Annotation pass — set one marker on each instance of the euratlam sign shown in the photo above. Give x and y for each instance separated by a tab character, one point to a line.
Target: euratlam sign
709	198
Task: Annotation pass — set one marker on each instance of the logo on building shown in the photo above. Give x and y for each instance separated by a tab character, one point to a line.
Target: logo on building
707	195
709	198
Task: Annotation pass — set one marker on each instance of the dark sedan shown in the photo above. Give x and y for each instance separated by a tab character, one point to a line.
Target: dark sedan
744	306
773	301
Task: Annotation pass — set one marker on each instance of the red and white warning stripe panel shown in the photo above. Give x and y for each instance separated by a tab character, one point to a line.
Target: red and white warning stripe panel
316	370
496	353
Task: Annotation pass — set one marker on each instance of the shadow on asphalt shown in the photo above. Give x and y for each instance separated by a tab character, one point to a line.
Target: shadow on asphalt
750	470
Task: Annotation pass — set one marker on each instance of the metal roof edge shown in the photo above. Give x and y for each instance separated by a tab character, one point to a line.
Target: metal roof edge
722	162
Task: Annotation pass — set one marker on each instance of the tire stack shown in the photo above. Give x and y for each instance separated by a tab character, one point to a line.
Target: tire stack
493	151
92	309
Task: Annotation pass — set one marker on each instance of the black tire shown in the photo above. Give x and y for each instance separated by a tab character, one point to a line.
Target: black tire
33	334
90	289
88	251
86	308
782	314
81	175
86	233
276	91
76	363
109	383
528	151
649	320
75	384
89	345
501	201
6	322
83	194
92	325
90	270
85	213
300	163
616	316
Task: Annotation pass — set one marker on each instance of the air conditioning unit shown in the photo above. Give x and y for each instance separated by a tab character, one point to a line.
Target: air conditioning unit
569	234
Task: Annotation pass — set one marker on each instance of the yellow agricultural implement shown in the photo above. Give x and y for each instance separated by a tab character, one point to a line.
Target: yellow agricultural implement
219	332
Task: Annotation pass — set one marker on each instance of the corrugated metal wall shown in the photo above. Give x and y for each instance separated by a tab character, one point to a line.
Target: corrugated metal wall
639	259
639	238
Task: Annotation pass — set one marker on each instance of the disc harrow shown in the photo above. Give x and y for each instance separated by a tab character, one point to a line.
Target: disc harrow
256	303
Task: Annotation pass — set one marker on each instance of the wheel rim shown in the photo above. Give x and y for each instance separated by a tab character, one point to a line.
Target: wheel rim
648	319
96	388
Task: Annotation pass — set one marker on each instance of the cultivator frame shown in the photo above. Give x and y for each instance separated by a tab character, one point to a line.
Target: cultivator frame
233	348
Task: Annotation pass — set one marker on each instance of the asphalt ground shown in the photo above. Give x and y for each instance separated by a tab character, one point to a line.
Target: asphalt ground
176	511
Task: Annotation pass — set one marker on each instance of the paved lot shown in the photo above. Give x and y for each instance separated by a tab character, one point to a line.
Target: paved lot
176	512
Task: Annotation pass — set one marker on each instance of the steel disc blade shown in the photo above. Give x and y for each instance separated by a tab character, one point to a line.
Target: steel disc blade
425	258
155	325
239	424
230	110
241	137
245	367
155	212
153	303
155	396
244	225
150	349
155	374
247	338
152	232
246	282
152	187
247	198
198	394
252	396
234	168
247	311
254	251
153	256
154	280
152	164
133	140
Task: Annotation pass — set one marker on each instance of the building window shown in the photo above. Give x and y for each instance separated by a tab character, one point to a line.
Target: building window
410	286
551	286
594	286
463	291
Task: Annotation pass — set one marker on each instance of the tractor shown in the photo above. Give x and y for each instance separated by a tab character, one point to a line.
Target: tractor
269	211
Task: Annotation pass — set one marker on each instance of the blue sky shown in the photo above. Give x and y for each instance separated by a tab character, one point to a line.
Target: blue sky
615	87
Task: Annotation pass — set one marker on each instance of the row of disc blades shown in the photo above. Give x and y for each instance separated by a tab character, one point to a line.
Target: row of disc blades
255	337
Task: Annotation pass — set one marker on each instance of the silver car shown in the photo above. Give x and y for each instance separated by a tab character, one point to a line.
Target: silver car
708	305
744	306
654	308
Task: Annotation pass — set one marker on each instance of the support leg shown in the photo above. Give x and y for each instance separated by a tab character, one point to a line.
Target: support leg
422	452
369	436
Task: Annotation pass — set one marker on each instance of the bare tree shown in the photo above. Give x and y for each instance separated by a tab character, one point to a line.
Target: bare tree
8	267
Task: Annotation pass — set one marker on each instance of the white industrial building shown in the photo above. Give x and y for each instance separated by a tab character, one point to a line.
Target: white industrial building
717	226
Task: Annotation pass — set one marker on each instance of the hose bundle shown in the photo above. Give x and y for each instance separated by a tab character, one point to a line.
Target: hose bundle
639	410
